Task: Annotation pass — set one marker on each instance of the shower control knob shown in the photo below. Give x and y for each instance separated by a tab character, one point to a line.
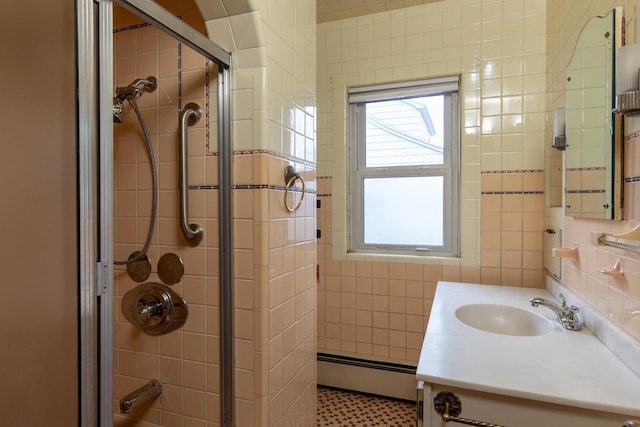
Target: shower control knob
154	308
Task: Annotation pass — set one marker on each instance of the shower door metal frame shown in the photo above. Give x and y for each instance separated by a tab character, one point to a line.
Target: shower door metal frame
94	19
87	220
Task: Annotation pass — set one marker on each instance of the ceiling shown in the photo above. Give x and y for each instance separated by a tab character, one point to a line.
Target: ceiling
330	10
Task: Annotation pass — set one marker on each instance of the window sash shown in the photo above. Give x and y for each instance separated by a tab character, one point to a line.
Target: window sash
359	116
403	90
449	170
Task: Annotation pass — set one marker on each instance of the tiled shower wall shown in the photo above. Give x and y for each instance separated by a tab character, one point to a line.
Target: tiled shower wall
617	298
273	48
378	306
186	361
632	176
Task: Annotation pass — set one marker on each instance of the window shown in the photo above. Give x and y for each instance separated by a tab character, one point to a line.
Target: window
404	175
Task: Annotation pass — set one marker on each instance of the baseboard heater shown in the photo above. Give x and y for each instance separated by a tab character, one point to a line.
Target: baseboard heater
367	376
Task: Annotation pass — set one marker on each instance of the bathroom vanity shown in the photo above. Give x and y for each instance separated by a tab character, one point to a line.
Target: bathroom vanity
528	371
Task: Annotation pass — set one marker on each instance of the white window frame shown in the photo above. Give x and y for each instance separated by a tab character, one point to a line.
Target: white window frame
358	97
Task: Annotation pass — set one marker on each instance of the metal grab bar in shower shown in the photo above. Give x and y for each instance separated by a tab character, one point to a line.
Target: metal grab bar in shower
189	116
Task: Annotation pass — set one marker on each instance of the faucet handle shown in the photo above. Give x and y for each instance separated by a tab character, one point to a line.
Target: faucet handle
572	318
564	302
572	313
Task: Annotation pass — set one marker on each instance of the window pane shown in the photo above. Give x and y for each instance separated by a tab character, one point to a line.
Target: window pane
404	211
405	132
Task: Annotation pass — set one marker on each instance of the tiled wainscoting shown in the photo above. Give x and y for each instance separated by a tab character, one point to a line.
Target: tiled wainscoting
381	308
275	282
632	176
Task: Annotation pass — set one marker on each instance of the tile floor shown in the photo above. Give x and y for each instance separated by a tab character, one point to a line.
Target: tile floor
344	408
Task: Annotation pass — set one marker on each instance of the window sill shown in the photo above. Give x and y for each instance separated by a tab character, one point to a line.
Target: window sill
410	259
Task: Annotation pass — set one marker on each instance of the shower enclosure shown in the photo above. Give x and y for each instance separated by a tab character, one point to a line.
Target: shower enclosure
115	195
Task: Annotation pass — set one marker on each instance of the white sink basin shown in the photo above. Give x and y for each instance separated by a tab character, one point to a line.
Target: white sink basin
503	319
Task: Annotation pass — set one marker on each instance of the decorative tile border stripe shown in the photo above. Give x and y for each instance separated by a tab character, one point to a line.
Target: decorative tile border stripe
131	27
632	179
204	187
510	192
584	191
512	171
597	168
251	187
632	136
282	188
136	26
274	154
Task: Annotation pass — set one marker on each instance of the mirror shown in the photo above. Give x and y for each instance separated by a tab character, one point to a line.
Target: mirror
591	127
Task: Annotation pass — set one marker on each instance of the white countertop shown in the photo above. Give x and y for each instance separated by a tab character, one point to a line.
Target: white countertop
562	367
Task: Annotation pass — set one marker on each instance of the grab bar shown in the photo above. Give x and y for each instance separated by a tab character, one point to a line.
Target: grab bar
189	116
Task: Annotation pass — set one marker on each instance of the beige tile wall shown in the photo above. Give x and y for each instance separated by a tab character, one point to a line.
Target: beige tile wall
274	125
632	176
329	10
379	306
617	298
511	231
291	113
275	280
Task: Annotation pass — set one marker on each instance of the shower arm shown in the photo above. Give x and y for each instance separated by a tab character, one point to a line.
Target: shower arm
136	87
189	116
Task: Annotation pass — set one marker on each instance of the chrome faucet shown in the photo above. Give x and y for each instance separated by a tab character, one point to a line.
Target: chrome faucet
567	315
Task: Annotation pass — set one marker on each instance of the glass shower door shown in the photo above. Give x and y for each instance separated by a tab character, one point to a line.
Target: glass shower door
139	39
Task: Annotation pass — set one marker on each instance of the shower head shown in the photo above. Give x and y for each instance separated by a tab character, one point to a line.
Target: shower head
149	84
131	92
136	88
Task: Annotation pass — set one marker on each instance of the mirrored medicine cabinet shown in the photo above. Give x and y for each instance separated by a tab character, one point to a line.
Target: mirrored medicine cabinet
593	156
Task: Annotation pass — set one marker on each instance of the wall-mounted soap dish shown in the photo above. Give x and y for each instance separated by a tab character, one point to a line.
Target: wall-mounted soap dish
571	253
615	270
